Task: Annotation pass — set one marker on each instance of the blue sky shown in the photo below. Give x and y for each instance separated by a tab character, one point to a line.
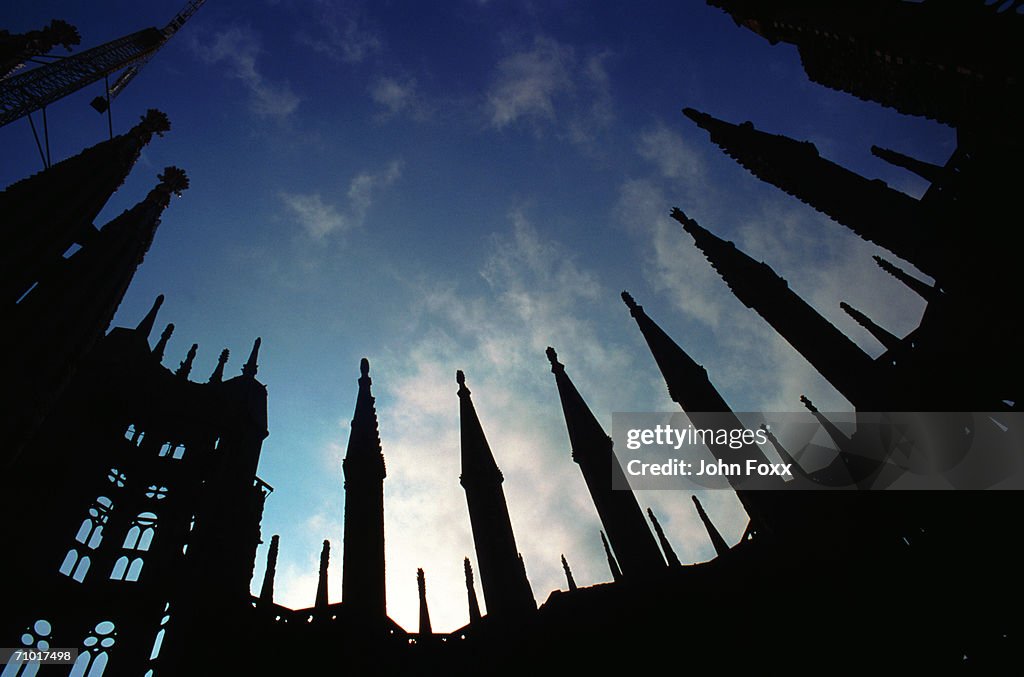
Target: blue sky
457	185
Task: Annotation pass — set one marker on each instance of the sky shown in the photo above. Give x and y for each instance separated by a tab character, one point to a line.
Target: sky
458	185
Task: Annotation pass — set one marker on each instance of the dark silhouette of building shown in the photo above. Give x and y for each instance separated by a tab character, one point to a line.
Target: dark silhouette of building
362	587
507	593
635	549
132	504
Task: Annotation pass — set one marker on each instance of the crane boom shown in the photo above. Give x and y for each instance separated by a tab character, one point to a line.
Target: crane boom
173	26
102	103
29	91
35	89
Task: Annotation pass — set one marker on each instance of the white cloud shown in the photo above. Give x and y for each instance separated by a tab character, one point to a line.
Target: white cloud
339	32
319	218
596	114
670	154
528	81
237	48
547	83
397	96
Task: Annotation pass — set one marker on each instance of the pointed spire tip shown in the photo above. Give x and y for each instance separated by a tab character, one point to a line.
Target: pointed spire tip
556	366
251	367
364	367
627	298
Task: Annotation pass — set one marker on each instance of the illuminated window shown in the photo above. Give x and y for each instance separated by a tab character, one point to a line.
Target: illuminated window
92	660
117	477
134	435
156	492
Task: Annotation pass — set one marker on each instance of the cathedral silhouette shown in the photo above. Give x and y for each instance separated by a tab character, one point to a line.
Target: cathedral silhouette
132	505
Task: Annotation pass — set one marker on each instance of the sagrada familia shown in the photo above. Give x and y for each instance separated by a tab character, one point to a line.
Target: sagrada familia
131	502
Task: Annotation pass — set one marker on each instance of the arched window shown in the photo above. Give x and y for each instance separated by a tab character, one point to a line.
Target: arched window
126	569
75	565
92	660
134	435
172	450
36	636
90	534
140	533
139	538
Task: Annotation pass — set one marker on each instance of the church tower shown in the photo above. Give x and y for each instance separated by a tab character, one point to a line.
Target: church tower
507	592
362	581
631	538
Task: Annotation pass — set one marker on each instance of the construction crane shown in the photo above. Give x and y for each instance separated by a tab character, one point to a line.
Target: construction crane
33	90
102	103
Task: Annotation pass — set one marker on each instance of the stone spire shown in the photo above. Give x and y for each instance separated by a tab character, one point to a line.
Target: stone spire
64	315
421	583
218	372
45	214
926	170
612	564
251	367
836	357
721	547
185	368
784	454
363	580
145	327
267	591
321	581
869	208
886	338
862	464
570	581
843	443
474	604
616	505
689	386
506	588
925	291
666	547
161	345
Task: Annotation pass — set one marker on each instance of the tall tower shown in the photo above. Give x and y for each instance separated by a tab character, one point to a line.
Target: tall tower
630	537
48	212
506	590
689	386
362	580
870	208
836	357
64	315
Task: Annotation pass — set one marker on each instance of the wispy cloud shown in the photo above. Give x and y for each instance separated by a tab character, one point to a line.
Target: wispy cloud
672	156
398	97
320	218
533	293
528	81
237	49
546	83
338	30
